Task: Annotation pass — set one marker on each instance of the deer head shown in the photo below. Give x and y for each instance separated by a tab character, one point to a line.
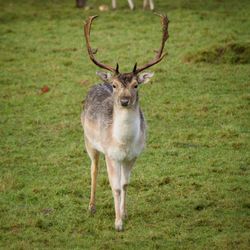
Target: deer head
125	85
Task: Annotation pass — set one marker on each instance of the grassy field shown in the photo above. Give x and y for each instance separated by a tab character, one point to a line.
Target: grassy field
190	187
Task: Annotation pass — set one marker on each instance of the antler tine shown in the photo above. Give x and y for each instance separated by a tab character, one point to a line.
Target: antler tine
91	51
160	55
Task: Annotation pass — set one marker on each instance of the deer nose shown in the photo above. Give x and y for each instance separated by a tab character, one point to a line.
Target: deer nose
124	102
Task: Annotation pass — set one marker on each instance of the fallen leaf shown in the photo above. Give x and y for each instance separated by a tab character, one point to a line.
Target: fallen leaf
44	89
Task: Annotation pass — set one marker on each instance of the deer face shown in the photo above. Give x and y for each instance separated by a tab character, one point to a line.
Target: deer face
125	87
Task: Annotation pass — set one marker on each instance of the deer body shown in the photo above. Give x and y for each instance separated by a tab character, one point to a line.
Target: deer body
114	124
116	132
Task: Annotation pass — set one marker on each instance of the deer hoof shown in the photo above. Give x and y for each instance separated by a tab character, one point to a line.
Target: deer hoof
92	208
119	226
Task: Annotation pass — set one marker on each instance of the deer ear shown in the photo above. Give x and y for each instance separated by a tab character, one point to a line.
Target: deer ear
105	76
145	77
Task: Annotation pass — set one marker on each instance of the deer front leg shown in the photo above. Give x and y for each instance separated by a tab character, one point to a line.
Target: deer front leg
125	174
114	173
94	156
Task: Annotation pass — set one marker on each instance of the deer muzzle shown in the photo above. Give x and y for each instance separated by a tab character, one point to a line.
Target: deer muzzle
124	101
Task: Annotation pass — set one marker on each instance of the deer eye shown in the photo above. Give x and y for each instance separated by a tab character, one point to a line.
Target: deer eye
136	86
114	86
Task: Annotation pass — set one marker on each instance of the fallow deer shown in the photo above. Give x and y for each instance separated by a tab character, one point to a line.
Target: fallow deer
114	124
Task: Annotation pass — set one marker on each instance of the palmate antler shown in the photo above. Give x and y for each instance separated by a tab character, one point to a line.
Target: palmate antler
159	56
87	27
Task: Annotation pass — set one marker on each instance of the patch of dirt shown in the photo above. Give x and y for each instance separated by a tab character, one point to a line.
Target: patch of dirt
229	53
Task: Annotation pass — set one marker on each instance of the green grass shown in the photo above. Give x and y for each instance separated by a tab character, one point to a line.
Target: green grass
190	187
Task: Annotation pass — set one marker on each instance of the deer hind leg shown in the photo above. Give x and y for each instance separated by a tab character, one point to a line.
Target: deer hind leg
148	3
114	4
131	4
94	156
114	174
125	174
151	4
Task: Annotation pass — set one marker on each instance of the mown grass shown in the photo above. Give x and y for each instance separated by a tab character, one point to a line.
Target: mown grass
190	187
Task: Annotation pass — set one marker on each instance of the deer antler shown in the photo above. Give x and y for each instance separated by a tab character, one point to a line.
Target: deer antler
91	51
159	56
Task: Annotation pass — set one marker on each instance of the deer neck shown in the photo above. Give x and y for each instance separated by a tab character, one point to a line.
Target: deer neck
126	125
